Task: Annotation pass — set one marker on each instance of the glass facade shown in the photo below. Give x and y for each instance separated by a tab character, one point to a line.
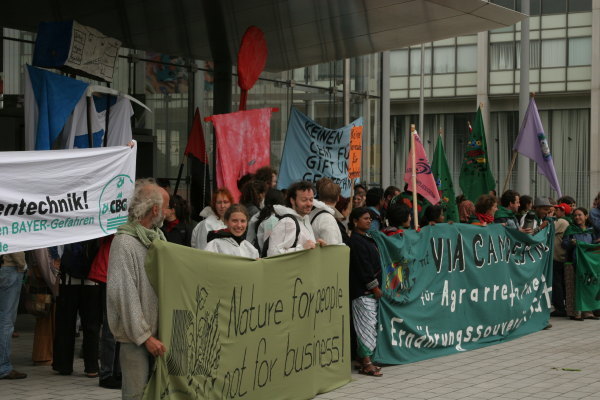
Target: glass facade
560	58
173	87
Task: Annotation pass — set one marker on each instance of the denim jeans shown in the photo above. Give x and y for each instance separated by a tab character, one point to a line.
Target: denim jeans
10	289
136	366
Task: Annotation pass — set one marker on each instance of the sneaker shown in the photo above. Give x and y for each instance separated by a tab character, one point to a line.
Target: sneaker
110	383
15	375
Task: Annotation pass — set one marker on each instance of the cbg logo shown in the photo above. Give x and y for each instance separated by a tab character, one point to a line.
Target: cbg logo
113	203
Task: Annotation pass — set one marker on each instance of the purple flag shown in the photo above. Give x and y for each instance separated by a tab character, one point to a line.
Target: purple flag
532	143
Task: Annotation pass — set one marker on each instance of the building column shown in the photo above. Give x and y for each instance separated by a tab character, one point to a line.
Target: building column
482	83
594	182
523	177
386	140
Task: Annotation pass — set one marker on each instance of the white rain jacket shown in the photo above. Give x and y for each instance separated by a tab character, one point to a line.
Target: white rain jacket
284	233
210	223
325	225
230	246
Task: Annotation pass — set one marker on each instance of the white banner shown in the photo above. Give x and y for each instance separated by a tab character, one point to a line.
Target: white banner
56	197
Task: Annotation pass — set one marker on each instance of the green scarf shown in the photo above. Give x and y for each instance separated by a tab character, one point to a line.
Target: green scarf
143	234
504	212
574	230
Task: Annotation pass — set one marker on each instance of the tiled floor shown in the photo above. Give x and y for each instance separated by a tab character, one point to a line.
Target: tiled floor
527	368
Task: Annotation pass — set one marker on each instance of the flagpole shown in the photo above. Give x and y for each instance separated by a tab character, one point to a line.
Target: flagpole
178	177
512	165
414	176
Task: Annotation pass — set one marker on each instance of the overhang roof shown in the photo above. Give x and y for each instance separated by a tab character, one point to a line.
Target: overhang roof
298	32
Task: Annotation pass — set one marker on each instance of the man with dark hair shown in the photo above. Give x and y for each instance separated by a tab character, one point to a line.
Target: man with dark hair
324	217
293	232
375	201
509	205
399	218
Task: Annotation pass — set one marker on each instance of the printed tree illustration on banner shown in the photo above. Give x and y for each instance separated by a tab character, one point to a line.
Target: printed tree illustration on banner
195	348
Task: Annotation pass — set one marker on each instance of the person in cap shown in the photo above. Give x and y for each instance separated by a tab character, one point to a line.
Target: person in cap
538	219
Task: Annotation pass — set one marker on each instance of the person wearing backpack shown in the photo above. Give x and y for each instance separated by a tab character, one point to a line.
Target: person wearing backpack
77	294
324	217
293	232
261	225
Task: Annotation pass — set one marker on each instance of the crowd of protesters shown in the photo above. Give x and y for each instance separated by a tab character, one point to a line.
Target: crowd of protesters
102	283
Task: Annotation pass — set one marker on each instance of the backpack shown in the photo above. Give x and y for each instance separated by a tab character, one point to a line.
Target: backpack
341	227
77	258
263	251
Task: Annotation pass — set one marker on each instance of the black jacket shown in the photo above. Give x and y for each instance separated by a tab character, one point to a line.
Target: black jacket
365	266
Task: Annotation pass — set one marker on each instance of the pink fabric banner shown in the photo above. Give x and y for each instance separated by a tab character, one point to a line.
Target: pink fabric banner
243	145
426	185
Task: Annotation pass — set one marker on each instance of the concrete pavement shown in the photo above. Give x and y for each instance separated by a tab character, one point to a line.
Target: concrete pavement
536	366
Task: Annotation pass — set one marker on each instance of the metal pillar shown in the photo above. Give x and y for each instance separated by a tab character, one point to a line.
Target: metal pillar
523	179
386	140
347	91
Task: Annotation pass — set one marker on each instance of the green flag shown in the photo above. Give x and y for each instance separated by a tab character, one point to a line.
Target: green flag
456	287
587	281
443	179
475	175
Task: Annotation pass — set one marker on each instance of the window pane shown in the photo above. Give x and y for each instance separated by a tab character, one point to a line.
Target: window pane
502	56
580	5
534	54
415	61
534	7
505	3
444	59
554	53
466	58
398	62
554	7
580	51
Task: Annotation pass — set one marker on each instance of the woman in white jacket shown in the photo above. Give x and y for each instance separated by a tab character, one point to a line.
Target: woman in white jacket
231	239
213	217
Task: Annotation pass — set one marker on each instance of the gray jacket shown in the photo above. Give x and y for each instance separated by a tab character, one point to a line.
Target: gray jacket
132	304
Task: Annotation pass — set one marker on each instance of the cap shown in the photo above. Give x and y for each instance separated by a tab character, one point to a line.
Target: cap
565	207
542	202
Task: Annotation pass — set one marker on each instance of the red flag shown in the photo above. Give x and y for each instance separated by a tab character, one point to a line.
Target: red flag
195	145
243	145
426	185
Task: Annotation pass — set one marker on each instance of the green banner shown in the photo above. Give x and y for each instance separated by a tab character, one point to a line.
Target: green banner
235	327
457	287
587	281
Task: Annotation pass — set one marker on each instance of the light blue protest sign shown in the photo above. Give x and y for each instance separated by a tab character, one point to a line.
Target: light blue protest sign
312	152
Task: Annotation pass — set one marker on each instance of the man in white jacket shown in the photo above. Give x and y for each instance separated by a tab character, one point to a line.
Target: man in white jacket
323	217
293	232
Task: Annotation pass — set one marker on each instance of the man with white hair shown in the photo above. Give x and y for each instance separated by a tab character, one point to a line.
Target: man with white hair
132	304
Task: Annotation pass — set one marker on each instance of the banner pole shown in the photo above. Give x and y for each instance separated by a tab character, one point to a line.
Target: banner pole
414	176
512	165
178	178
